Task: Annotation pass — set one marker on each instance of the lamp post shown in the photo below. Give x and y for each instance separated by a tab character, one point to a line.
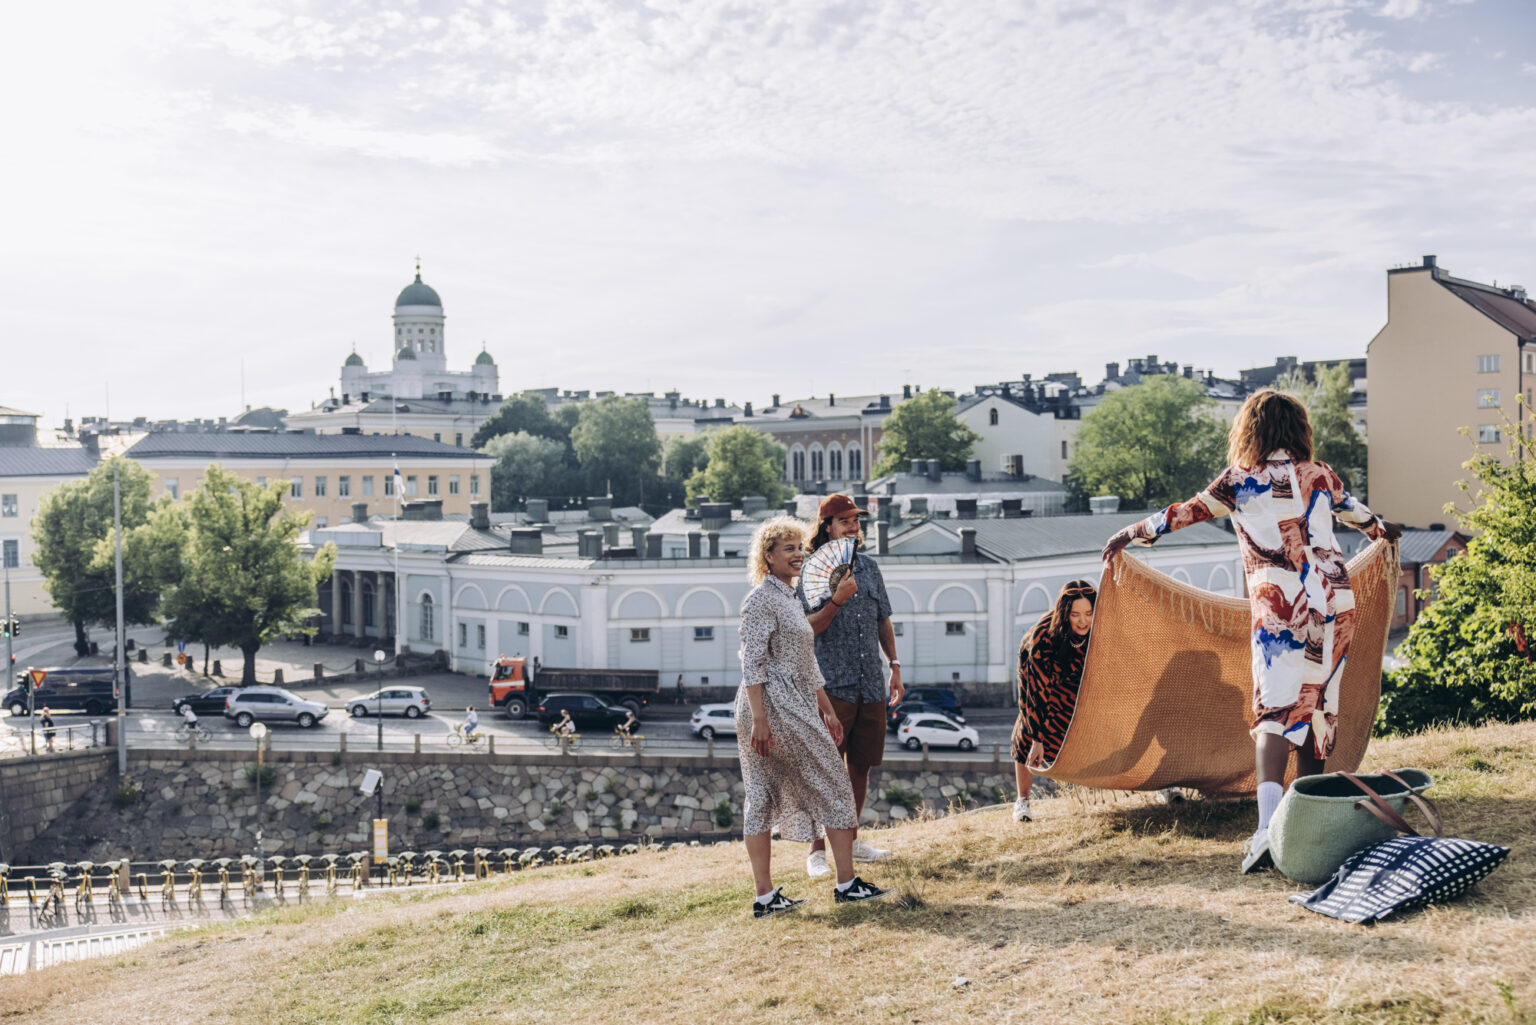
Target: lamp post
259	734
378	660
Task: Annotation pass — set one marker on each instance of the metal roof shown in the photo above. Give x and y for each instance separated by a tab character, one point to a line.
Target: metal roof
1514	315
958	483
45	461
1414	549
293	445
1052	536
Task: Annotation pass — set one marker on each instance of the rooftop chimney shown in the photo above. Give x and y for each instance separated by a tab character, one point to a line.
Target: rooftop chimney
424	509
906	391
1189	370
746	410
653	545
753	505
600	508
917	506
1104	505
611	535
791	507
1111	371
934	472
719	403
590	545
831	399
714	544
967	541
359	512
479	515
526	541
637	538
885	402
882	537
775	400
965	508
537	510
919	467
1429	261
1013	508
973	469
695	540
714	515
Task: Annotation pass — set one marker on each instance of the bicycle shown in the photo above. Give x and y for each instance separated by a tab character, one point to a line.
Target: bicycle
458	738
52	911
184	733
623	740
563	741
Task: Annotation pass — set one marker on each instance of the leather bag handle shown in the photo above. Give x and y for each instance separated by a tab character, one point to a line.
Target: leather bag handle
1379	808
1431	813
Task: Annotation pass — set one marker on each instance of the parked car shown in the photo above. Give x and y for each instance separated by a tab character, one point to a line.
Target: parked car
712	719
411	702
205	701
587	711
936	731
934	696
73	689
897	714
272	704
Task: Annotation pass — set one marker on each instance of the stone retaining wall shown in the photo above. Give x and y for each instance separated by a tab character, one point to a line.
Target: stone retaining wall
204	804
35	792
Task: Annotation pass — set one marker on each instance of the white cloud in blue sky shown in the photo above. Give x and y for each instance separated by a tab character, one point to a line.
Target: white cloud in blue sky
740	198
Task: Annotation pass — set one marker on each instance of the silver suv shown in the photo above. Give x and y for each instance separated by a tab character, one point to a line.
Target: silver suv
272	704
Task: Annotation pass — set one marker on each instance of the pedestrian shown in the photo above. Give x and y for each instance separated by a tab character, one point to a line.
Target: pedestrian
853	628
1051	660
46	721
793	780
1283	503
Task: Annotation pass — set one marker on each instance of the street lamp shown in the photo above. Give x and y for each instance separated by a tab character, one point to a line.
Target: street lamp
378	658
259	734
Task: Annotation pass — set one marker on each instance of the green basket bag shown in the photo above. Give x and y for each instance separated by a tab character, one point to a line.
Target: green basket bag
1324	819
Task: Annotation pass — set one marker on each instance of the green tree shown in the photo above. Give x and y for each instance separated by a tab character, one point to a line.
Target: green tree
1470	656
525	412
681	457
526	466
740	462
1151	444
244	581
73	522
617	448
925	427
1334	438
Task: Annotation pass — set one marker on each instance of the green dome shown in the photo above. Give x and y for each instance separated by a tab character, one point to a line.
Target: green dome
418	294
354	360
405	353
484	359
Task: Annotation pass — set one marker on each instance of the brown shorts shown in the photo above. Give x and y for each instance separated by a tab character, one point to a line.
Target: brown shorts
863	730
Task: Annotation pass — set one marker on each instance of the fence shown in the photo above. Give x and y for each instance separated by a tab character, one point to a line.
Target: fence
42	741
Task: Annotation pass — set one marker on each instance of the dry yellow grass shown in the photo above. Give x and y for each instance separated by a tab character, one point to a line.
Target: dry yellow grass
1120	912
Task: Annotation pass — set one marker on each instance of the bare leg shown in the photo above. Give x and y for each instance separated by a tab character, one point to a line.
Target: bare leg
841	841
1023	778
858	778
759	851
1271	751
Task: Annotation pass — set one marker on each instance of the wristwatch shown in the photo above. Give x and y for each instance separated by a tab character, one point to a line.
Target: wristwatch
895	662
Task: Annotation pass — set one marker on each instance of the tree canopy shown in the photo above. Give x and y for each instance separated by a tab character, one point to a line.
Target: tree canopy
1151	444
526	466
1470	656
925	427
683	455
739	461
617	448
525	412
1334	438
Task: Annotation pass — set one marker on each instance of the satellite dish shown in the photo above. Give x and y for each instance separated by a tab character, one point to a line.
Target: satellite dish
371	780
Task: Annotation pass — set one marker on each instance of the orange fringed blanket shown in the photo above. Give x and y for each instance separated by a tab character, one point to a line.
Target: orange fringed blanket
1168	682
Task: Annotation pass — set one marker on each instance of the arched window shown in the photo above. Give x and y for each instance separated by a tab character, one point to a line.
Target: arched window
428	629
835	464
370	603
992	417
855	463
818	465
346	602
797	465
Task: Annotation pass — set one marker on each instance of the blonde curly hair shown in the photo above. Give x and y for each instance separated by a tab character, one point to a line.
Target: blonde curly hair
780	528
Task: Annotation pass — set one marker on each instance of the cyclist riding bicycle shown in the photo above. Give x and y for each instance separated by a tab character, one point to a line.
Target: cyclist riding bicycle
189	718
629	723
471	721
566	727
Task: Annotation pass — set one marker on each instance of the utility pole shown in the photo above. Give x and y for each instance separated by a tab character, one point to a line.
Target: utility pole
122	658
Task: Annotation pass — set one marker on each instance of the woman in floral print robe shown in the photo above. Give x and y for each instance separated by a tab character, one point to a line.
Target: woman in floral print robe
1283	504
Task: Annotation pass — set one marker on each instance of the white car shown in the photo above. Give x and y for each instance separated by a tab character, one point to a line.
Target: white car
936	731
712	719
411	702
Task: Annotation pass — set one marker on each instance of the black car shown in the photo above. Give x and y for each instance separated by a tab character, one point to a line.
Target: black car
85	689
910	707
207	701
587	712
941	696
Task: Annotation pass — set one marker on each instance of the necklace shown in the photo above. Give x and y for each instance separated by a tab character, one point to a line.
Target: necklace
1079	644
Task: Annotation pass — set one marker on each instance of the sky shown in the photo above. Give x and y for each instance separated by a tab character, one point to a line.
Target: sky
211	205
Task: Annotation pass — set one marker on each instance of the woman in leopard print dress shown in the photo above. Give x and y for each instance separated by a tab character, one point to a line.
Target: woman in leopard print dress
1050	670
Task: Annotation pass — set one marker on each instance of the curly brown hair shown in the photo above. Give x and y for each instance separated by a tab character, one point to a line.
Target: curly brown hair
1268	421
1058	622
824	534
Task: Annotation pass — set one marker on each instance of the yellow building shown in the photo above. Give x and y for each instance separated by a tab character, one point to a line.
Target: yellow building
1453	354
327	473
28	472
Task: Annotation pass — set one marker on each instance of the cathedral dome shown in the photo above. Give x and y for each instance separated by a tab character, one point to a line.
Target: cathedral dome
405	353
484	359
354	360
418	294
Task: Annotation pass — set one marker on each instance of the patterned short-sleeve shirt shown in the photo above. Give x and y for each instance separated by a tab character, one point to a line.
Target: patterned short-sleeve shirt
848	650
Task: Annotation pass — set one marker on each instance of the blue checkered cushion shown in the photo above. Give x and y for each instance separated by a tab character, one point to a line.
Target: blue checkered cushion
1402	873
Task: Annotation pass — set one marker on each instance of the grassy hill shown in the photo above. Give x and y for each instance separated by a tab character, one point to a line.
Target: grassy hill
1117	911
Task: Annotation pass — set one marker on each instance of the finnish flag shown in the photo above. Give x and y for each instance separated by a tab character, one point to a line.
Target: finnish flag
399	484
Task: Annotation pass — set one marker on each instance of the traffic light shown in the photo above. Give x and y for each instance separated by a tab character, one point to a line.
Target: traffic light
5	628
15	627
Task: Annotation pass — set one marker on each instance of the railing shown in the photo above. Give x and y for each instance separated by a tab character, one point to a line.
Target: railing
43	741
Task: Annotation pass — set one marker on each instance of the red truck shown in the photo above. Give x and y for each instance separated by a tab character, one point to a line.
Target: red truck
518	685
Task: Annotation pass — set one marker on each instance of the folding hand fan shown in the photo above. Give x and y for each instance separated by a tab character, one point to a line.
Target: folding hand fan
824	569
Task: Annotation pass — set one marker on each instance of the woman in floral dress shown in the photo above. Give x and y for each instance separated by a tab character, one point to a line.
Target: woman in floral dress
1050	669
1283	504
794	780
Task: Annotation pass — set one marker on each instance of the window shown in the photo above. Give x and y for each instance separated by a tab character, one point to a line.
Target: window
344	486
474	484
367	481
522	629
458	438
172	488
1402	602
428	629
896	628
835	463
389	485
480	636
437	436
320	521
855	464
296	487
320	487
797	465
1488	398
818	470
703	633
463	635
639	634
992	417
1063	448
12	554
410	486
453	484
1488	434
953	629
703	681
562	632
1488	364
431	484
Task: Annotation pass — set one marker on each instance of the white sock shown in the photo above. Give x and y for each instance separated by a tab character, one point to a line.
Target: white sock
843	887
1269	799
767	898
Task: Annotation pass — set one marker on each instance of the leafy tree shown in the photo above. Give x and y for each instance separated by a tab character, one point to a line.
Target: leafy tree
525	412
244	581
526	466
682	456
741	461
925	427
1334	438
72	523
1470	656
617	448
1151	444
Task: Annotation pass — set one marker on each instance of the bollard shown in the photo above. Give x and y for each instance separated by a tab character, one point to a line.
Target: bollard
637	743
218	668
165	659
319	671
925	754
143	655
418	743
997	755
357	666
277	677
490	743
710	741
343	738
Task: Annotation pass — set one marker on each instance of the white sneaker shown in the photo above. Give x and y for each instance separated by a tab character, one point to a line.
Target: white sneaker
816	865
1021	810
864	852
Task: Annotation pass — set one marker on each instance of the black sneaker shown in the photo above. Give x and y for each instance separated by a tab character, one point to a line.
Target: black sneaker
859	890
776	906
